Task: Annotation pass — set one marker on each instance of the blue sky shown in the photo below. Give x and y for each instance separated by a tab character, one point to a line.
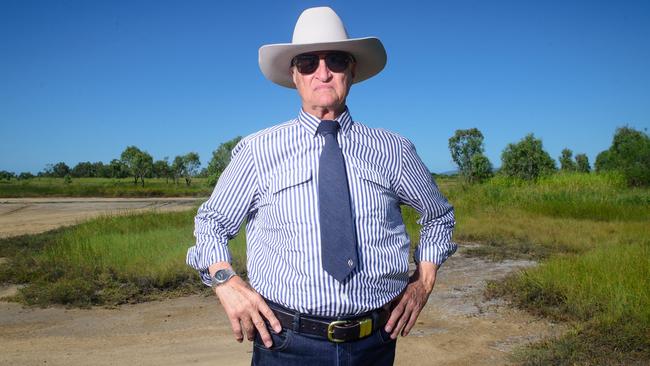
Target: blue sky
81	80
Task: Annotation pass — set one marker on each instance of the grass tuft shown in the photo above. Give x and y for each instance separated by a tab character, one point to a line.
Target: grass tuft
110	260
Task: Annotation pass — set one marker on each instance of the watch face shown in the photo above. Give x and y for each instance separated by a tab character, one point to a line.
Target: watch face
221	276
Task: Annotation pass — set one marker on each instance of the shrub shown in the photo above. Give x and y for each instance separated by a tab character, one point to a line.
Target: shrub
582	163
629	154
526	159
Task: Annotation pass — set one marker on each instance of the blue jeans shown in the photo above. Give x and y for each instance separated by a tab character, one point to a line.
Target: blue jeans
291	348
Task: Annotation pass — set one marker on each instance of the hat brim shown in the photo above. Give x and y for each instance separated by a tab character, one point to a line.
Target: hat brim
275	59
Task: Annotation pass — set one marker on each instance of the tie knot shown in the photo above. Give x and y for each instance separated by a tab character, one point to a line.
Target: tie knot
327	127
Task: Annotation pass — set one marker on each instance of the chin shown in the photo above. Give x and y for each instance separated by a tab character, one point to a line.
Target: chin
327	102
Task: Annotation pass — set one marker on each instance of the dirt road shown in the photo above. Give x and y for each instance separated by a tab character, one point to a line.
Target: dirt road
457	326
33	215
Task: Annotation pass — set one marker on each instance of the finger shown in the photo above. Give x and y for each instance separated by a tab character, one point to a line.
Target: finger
400	323
261	328
236	330
409	306
411	321
249	328
395	314
266	311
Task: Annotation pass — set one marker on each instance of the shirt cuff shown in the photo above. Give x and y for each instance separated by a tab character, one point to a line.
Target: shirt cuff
434	253
202	256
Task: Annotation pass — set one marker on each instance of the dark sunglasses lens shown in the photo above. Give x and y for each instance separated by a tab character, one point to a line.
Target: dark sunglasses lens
337	62
306	64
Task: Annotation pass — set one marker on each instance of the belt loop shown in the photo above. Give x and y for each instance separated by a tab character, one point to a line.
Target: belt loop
296	322
375	320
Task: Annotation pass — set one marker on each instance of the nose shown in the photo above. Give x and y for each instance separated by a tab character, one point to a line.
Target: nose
322	72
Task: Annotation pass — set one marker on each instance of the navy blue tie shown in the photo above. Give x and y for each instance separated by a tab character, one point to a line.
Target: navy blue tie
338	237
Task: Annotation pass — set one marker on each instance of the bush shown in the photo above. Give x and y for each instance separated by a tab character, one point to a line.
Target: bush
480	169
526	159
582	162
629	154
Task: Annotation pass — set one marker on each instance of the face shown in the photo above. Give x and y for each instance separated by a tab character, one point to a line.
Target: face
323	89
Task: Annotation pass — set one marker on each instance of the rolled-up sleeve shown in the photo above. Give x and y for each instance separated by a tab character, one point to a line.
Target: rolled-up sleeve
417	189
219	218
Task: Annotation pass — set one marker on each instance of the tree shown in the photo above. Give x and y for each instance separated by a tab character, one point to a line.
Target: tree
101	170
192	164
629	154
83	169
566	161
480	169
25	175
138	162
117	169
161	169
60	170
178	168
6	175
463	145
582	163
526	159
221	159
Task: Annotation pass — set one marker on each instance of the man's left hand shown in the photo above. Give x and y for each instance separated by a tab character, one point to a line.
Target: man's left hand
407	306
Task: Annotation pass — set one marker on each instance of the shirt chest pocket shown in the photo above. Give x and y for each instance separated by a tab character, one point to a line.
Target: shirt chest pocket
288	179
373	197
290	192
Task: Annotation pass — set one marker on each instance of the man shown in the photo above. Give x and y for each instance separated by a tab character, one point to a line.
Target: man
327	251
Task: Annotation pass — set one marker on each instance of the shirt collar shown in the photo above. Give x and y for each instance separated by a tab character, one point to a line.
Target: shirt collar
310	122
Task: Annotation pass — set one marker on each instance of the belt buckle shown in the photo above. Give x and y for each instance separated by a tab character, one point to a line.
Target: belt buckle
365	328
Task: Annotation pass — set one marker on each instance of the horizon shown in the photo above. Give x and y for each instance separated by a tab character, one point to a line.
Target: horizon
82	81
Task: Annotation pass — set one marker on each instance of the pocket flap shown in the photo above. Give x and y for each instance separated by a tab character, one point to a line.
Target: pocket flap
372	176
290	178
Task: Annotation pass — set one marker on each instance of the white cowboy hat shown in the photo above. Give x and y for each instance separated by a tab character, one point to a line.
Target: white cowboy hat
321	29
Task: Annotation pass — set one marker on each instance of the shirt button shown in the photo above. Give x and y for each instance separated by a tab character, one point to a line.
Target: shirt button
350	263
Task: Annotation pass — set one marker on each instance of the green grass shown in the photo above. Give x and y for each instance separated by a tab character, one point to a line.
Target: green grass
107	261
593	236
590	231
101	187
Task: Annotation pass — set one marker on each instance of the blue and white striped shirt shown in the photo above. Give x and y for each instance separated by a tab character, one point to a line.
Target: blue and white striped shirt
272	182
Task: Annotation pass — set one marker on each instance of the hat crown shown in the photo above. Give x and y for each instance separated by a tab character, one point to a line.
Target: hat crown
317	25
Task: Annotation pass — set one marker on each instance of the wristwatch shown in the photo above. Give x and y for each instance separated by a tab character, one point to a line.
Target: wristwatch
221	276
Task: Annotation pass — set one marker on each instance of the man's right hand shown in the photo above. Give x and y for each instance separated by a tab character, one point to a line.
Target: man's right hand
246	310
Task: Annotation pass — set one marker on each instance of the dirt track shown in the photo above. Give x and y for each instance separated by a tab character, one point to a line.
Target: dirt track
33	215
457	327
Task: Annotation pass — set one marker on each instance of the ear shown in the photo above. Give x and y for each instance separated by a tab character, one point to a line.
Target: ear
353	70
293	72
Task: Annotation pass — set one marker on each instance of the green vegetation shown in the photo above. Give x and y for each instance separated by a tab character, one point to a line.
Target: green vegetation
107	261
466	148
592	232
526	159
629	154
220	160
101	187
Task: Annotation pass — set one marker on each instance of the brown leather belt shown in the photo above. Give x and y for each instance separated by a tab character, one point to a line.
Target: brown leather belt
342	329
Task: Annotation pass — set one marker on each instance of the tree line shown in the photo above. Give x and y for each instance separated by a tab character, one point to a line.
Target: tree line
139	164
629	154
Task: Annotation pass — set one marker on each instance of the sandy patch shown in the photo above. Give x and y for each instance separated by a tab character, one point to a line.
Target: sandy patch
34	215
457	327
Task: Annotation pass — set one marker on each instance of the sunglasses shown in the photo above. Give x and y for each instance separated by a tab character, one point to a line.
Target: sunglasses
307	63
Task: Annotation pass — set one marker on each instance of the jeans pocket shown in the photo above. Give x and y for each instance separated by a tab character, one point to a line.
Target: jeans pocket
384	336
280	340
